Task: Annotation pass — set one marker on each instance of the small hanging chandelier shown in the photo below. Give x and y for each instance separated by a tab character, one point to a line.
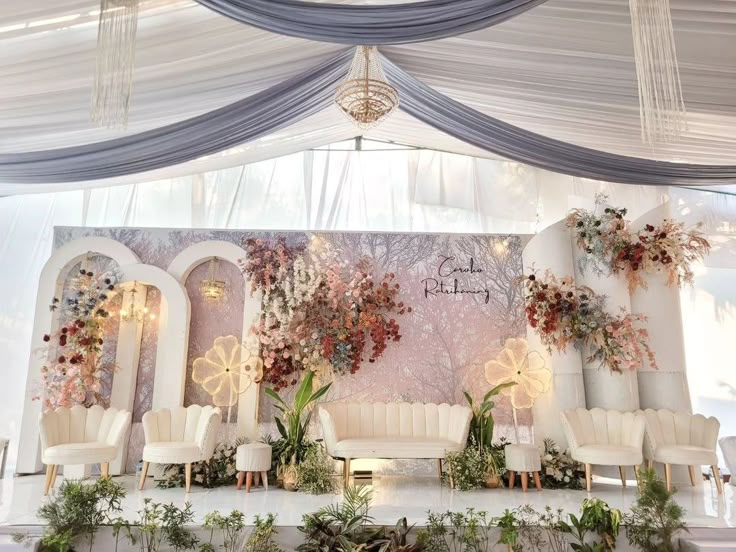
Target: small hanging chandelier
211	288
134	313
366	97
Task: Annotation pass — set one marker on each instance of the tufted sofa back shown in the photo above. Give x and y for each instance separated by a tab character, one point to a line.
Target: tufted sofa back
665	427
602	427
194	424
351	420
79	424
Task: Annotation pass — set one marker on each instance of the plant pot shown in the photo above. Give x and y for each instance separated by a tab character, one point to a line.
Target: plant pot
289	478
492	481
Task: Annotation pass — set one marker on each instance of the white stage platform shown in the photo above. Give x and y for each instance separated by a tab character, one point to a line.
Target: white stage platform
394	497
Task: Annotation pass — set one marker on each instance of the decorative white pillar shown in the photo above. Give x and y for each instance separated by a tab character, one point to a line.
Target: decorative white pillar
550	249
666	386
124	380
603	388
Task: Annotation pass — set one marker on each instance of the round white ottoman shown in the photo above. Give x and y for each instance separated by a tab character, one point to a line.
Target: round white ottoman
523	459
253	459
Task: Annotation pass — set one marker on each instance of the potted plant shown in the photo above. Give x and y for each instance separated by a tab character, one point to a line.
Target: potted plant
293	444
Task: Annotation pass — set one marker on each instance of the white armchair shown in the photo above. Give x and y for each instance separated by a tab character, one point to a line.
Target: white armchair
681	439
179	436
604	438
80	435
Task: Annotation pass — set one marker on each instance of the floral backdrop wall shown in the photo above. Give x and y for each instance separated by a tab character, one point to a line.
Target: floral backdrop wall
464	296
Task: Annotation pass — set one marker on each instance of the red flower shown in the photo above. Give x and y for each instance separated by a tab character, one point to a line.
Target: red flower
62	359
46	337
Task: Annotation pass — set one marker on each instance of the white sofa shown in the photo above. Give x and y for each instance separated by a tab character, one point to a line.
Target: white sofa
80	435
682	439
604	438
179	436
353	430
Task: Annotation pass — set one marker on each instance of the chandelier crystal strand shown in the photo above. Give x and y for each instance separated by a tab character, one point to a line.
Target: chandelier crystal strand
661	105
366	97
113	84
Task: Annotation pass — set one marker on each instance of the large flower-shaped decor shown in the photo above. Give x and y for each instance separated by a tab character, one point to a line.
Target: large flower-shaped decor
516	363
227	370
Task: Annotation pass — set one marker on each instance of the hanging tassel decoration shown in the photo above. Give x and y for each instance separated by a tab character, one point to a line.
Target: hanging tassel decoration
661	106
113	85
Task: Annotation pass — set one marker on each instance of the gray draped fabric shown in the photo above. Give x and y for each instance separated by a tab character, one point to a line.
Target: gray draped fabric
517	144
371	24
301	96
238	123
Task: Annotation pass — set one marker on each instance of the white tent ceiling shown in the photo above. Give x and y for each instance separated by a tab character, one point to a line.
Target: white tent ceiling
564	69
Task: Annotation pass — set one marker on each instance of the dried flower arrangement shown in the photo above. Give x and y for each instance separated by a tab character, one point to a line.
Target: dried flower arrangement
559	470
563	313
318	311
611	247
75	374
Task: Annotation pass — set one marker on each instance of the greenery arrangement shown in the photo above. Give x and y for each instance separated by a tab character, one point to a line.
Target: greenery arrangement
610	245
655	519
218	471
159	524
559	470
293	444
597	517
79	508
231	526
316	473
481	460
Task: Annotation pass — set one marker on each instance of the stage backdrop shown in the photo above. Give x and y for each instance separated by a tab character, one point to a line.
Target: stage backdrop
461	288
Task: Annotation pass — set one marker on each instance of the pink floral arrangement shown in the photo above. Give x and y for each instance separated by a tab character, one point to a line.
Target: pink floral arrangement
563	314
74	374
611	247
317	310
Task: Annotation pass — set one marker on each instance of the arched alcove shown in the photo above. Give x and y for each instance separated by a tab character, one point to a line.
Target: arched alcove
51	284
188	261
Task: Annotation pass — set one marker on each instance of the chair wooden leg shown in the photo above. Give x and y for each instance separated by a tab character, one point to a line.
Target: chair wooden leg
241	477
588	477
691	471
668	476
524	481
264	478
144	473
439	468
47	485
512	479
717	475
54	473
256	479
622	473
248	481
105	470
188	477
638	478
537	480
347	471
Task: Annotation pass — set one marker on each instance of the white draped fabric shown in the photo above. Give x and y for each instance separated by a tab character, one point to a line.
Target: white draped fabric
376	189
565	69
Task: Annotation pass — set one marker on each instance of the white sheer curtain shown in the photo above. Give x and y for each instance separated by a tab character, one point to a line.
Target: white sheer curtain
379	189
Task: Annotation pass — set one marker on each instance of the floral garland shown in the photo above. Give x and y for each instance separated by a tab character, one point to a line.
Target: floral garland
75	375
563	313
318	313
611	247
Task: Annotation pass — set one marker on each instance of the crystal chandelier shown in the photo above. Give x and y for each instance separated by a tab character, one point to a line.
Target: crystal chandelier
366	97
211	288
134	313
